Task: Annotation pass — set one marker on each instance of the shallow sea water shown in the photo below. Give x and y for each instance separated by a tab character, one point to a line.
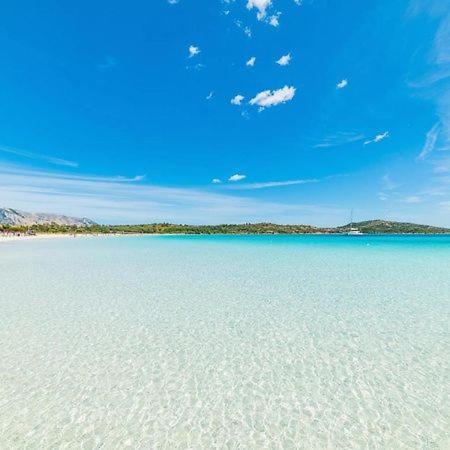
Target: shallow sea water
305	342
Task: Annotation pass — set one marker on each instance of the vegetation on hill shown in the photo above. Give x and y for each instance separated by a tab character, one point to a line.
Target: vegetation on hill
385	226
368	227
167	228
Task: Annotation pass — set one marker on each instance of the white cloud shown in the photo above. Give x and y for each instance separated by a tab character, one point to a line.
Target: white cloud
173	2
260	5
274	20
298	2
271	184
430	141
193	51
342	84
216	181
284	60
38	156
237	99
251	61
237	177
266	99
210	95
341	138
378	138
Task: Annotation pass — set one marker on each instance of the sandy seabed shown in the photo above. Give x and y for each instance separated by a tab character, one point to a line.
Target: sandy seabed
251	342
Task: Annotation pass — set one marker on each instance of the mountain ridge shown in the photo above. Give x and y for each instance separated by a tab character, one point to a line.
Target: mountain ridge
16	217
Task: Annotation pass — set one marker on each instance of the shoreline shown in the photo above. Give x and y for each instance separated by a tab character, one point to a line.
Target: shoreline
15	238
23	237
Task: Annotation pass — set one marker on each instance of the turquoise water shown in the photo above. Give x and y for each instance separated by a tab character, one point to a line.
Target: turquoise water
307	342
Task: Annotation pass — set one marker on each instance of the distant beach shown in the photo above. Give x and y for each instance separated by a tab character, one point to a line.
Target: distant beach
5	238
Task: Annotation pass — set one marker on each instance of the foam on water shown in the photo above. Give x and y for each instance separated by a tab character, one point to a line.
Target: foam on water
225	342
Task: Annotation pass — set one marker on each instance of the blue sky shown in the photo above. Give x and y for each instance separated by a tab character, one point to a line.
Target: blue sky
127	111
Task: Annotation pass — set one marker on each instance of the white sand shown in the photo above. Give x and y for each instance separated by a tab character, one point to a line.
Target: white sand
23	237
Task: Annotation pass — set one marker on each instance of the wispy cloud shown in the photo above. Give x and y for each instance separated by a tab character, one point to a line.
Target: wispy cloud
388	184
108	63
430	141
196	67
445	206
266	99
284	60
340	138
112	200
245	28
271	184
442	165
434	84
216	181
251	62
412	199
378	138
210	95
130	179
237	177
38	156
173	2
388	187
342	84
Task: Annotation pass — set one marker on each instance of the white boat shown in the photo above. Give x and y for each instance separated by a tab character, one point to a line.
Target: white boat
353	231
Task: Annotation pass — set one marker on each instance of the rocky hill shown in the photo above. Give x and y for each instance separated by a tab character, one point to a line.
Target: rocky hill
388	227
14	217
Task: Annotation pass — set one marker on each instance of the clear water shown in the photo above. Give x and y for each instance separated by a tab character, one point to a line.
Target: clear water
306	342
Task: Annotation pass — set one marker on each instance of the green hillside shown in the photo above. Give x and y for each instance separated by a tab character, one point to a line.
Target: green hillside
386	226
